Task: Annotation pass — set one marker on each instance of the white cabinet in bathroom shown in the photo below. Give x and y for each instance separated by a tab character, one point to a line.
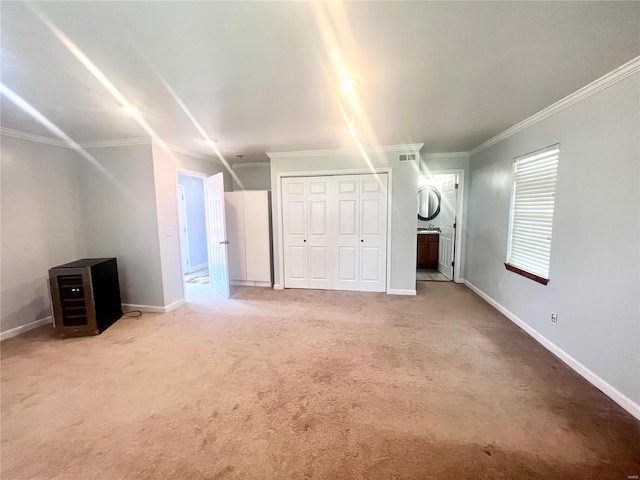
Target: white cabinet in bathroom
249	236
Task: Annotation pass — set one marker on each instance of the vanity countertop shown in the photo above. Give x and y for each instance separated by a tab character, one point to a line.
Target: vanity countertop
428	232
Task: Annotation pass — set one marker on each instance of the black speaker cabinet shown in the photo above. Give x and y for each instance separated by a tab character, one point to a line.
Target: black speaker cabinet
85	296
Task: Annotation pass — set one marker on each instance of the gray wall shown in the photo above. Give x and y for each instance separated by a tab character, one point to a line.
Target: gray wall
253	178
594	274
196	218
41	210
404	205
121	219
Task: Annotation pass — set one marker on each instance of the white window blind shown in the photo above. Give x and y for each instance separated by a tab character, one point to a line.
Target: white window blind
532	211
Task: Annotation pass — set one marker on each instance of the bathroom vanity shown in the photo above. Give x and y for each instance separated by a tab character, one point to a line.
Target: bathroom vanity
428	243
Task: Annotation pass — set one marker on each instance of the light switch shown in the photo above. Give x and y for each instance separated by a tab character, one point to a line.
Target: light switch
169	231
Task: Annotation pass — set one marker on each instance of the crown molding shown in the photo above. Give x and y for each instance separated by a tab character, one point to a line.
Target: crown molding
409	147
250	165
116	142
434	156
620	73
32	137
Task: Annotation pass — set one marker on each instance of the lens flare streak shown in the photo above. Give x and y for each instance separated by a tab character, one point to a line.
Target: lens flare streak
53	128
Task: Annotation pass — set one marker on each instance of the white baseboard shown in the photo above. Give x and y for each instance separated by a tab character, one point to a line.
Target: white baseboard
277	286
143	308
174	305
400	291
152	308
25	328
195	268
602	385
249	283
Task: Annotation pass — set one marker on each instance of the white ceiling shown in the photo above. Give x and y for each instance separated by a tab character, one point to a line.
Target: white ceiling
259	76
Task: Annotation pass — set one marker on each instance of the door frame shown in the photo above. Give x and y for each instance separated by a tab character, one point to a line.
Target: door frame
458	255
203	176
279	284
182	218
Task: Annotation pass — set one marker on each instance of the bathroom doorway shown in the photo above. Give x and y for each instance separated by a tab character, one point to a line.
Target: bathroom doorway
439	200
193	233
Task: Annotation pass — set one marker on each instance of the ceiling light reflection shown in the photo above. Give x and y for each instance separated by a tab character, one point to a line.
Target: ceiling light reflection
349	84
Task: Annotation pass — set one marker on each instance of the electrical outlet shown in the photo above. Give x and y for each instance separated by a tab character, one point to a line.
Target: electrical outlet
554	318
499	285
169	231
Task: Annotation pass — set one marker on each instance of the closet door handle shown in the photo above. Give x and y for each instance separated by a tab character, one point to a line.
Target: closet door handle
304	241
361	240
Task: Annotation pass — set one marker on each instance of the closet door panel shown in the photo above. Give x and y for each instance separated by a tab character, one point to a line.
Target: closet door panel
294	230
373	232
347	238
370	264
319	232
257	240
297	257
234	210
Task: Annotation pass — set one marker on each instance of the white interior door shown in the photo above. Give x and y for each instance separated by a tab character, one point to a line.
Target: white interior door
234	210
347	228
184	234
216	226
319	234
373	232
447	218
294	232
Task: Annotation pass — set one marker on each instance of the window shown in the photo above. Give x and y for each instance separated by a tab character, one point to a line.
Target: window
533	202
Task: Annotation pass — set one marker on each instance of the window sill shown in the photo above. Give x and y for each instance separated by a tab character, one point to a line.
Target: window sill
531	276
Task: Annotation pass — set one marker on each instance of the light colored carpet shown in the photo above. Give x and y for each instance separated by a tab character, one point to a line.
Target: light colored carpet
308	384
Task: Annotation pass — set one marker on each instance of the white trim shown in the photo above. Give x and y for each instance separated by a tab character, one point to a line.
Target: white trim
195	268
174	305
313	173
118	142
25	328
620	73
31	137
435	156
251	165
182	219
153	308
192	173
400	291
249	283
143	308
461	222
602	385
409	147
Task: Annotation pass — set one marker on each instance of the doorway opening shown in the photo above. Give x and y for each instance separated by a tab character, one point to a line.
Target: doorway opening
193	234
202	232
438	217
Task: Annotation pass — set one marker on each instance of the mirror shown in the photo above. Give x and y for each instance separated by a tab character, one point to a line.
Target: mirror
428	202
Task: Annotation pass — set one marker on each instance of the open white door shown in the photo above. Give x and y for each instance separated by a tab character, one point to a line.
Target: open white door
217	234
447	225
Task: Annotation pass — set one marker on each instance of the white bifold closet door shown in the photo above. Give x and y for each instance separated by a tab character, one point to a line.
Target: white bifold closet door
335	232
360	214
306	203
